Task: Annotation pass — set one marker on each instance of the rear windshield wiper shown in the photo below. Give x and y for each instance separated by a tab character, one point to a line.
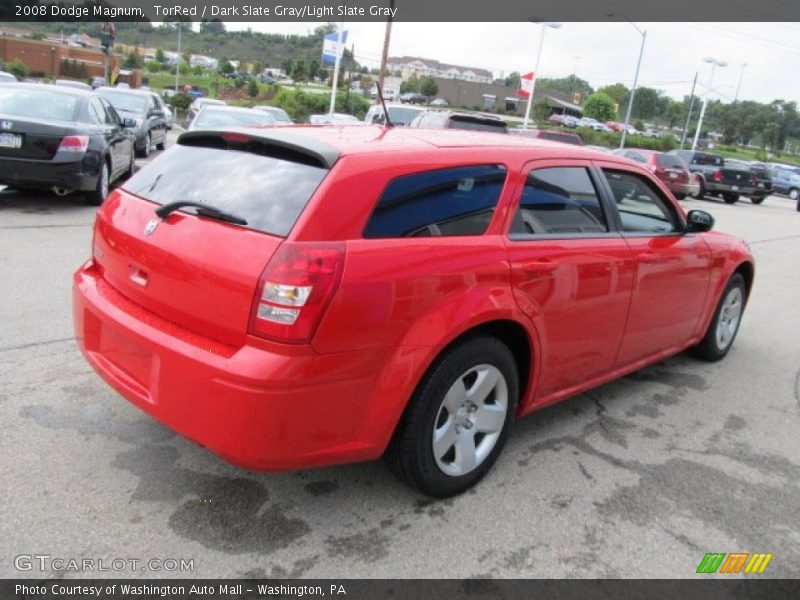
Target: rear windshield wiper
204	210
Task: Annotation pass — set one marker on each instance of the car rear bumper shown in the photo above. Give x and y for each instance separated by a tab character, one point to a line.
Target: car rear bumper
678	187
727	188
263	406
43	174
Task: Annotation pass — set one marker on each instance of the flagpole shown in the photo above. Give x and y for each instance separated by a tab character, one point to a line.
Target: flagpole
336	67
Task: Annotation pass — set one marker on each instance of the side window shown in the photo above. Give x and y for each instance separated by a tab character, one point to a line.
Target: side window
559	200
641	208
111	113
97	112
447	202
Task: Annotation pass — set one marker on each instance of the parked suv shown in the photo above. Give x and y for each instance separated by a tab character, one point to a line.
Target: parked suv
321	295
785	181
448	119
667	167
715	178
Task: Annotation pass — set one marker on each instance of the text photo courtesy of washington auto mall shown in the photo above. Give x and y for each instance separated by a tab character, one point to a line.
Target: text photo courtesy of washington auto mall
399	299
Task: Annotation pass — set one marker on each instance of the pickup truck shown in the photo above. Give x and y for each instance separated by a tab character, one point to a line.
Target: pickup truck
715	177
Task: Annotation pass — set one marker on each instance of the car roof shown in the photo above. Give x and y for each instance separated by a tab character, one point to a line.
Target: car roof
60	89
329	143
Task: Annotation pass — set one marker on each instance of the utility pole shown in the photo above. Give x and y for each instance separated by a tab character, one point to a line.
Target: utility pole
385	55
543	27
689	116
633	89
178	65
337	60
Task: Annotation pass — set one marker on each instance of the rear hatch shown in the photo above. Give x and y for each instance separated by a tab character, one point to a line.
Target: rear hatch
671	169
199	272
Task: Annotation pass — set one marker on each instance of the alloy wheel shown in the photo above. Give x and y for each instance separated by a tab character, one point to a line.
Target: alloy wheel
729	317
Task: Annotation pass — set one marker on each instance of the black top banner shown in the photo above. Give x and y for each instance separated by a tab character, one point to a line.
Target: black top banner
387	589
400	10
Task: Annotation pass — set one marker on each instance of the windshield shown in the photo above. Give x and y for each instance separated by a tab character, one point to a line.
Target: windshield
268	192
212	118
401	115
277	113
38	104
131	103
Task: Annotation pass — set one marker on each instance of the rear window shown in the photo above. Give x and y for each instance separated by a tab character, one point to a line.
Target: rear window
707	159
477	125
38	104
565	138
131	103
212	118
268	192
446	202
670	161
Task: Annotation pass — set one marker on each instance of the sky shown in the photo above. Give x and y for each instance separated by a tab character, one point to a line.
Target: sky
601	53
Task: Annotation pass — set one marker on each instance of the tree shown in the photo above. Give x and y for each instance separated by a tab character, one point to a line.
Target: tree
365	84
428	87
410	85
133	61
299	72
645	103
17	68
600	106
225	66
153	66
215	26
618	93
313	69
160	56
514	80
252	88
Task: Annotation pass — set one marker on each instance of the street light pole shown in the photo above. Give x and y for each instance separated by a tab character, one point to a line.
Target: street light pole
536	69
635	78
739	85
178	64
714	64
691	107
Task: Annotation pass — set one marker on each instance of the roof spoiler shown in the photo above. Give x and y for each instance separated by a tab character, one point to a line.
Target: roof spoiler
286	145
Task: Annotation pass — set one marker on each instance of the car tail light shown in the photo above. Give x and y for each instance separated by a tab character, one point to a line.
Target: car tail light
717	176
295	289
74	143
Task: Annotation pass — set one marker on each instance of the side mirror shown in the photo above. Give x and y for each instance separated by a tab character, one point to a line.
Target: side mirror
129	123
698	221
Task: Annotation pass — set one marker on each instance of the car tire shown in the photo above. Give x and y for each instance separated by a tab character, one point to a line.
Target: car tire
794	193
730	198
724	325
468	400
97	196
144	152
680	196
701	189
163	144
757	199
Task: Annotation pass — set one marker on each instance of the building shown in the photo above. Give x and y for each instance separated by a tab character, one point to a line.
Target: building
51	59
198	60
498	97
424	67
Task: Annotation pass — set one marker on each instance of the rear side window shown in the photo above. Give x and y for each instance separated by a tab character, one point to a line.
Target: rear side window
446	202
559	200
268	192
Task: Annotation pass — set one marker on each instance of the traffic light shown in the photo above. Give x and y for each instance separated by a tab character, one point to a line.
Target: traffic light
107	35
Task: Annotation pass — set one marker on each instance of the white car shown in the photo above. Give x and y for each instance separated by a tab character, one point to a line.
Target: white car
281	117
439	102
334	119
399	114
223	117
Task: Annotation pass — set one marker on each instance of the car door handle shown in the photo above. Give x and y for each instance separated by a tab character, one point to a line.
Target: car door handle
539	268
649	258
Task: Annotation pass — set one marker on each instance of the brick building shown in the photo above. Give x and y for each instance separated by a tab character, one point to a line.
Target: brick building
51	59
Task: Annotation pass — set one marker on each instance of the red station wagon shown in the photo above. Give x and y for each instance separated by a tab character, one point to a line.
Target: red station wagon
291	299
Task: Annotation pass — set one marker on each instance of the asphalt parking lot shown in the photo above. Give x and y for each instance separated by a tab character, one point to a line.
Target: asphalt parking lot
639	478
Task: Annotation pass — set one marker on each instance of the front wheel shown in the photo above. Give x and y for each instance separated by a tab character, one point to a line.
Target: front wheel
757	199
456	424
163	143
730	198
794	194
98	195
725	324
701	189
148	144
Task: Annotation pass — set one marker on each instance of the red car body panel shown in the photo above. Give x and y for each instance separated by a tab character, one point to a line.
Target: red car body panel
178	347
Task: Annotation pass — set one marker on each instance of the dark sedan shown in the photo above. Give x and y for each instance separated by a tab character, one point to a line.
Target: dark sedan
143	107
62	139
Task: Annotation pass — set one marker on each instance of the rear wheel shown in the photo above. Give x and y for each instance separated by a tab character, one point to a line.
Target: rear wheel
757	199
701	188
794	194
163	144
725	325
679	196
148	144
456	423
730	198
98	195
